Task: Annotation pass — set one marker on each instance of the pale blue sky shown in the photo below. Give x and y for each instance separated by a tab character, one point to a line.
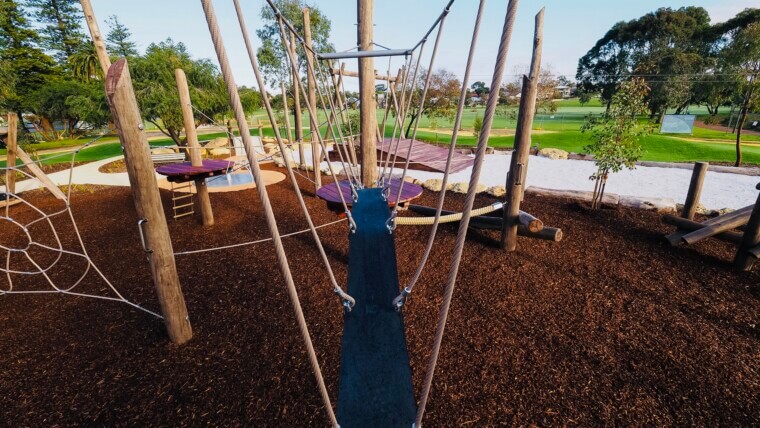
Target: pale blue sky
571	27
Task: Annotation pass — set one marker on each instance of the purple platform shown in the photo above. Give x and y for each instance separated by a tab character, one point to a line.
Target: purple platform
185	171
329	192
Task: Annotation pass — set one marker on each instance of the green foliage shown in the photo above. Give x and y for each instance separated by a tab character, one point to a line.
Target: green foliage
62	30
615	135
273	58
84	63
441	99
119	39
23	66
156	88
477	126
70	102
353	125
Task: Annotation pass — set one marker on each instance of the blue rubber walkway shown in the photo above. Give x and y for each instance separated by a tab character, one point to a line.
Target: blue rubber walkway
375	377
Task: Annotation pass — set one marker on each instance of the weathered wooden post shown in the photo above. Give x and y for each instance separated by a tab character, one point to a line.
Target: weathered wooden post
142	178
297	106
748	249
11	143
367	94
695	190
316	156
287	113
193	147
519	162
97	38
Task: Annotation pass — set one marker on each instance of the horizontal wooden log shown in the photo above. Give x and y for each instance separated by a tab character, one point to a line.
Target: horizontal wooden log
526	219
691	225
675	238
721	224
755	252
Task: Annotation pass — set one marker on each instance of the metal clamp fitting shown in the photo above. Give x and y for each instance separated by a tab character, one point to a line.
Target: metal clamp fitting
347	301
399	301
351	223
140	225
390	224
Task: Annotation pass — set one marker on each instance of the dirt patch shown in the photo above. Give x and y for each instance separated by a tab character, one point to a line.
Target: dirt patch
611	326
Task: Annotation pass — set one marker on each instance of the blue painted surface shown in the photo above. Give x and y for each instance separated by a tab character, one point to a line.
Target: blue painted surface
229	180
375	376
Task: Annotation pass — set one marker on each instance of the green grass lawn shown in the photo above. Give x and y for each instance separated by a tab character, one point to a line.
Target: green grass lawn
562	132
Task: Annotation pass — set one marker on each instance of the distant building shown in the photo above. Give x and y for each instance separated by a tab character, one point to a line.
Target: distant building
564	91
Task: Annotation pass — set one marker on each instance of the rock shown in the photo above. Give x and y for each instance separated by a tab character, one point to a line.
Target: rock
659	205
221	151
270	148
217	142
497	191
277	159
163	151
553	154
724	211
463	187
701	209
474	150
434	184
409	179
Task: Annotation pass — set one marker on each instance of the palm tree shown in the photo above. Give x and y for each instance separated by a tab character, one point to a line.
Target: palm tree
84	63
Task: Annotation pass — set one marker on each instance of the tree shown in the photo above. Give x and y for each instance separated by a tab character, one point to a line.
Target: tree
119	39
84	63
273	59
24	66
477	126
480	89
156	88
62	29
441	100
615	135
68	102
662	46
744	54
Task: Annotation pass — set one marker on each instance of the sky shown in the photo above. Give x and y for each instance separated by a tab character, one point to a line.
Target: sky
571	27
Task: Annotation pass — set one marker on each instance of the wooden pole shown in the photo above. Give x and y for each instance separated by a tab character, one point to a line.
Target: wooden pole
316	156
689	225
519	162
142	178
695	190
97	38
745	258
297	106
367	95
193	147
11	143
287	115
336	71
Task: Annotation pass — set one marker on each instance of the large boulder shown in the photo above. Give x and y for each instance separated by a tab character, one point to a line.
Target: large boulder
497	191
553	154
463	187
270	148
217	142
434	184
164	151
221	151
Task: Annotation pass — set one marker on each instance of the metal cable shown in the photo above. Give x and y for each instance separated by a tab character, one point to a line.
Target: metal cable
501	59
282	258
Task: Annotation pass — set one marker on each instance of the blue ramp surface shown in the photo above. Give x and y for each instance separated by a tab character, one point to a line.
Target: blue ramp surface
375	377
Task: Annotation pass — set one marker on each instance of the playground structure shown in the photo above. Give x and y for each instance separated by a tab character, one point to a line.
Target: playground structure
373	341
722	227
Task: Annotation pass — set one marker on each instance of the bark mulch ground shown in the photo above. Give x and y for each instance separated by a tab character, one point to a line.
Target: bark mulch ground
610	326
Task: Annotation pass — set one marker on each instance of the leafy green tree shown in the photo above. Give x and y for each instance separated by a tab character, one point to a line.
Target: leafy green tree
84	63
744	54
615	135
156	88
480	88
68	102
477	126
119	39
61	26
24	66
272	56
661	45
441	100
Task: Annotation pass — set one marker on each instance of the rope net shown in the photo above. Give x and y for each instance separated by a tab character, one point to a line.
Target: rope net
43	247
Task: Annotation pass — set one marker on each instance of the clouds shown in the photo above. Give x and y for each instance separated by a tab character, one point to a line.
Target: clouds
725	10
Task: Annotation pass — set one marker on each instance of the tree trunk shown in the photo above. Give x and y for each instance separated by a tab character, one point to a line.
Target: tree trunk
409	127
740	122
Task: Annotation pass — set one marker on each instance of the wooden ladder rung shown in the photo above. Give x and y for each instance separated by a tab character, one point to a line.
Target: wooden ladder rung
183	206
177	198
176	216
